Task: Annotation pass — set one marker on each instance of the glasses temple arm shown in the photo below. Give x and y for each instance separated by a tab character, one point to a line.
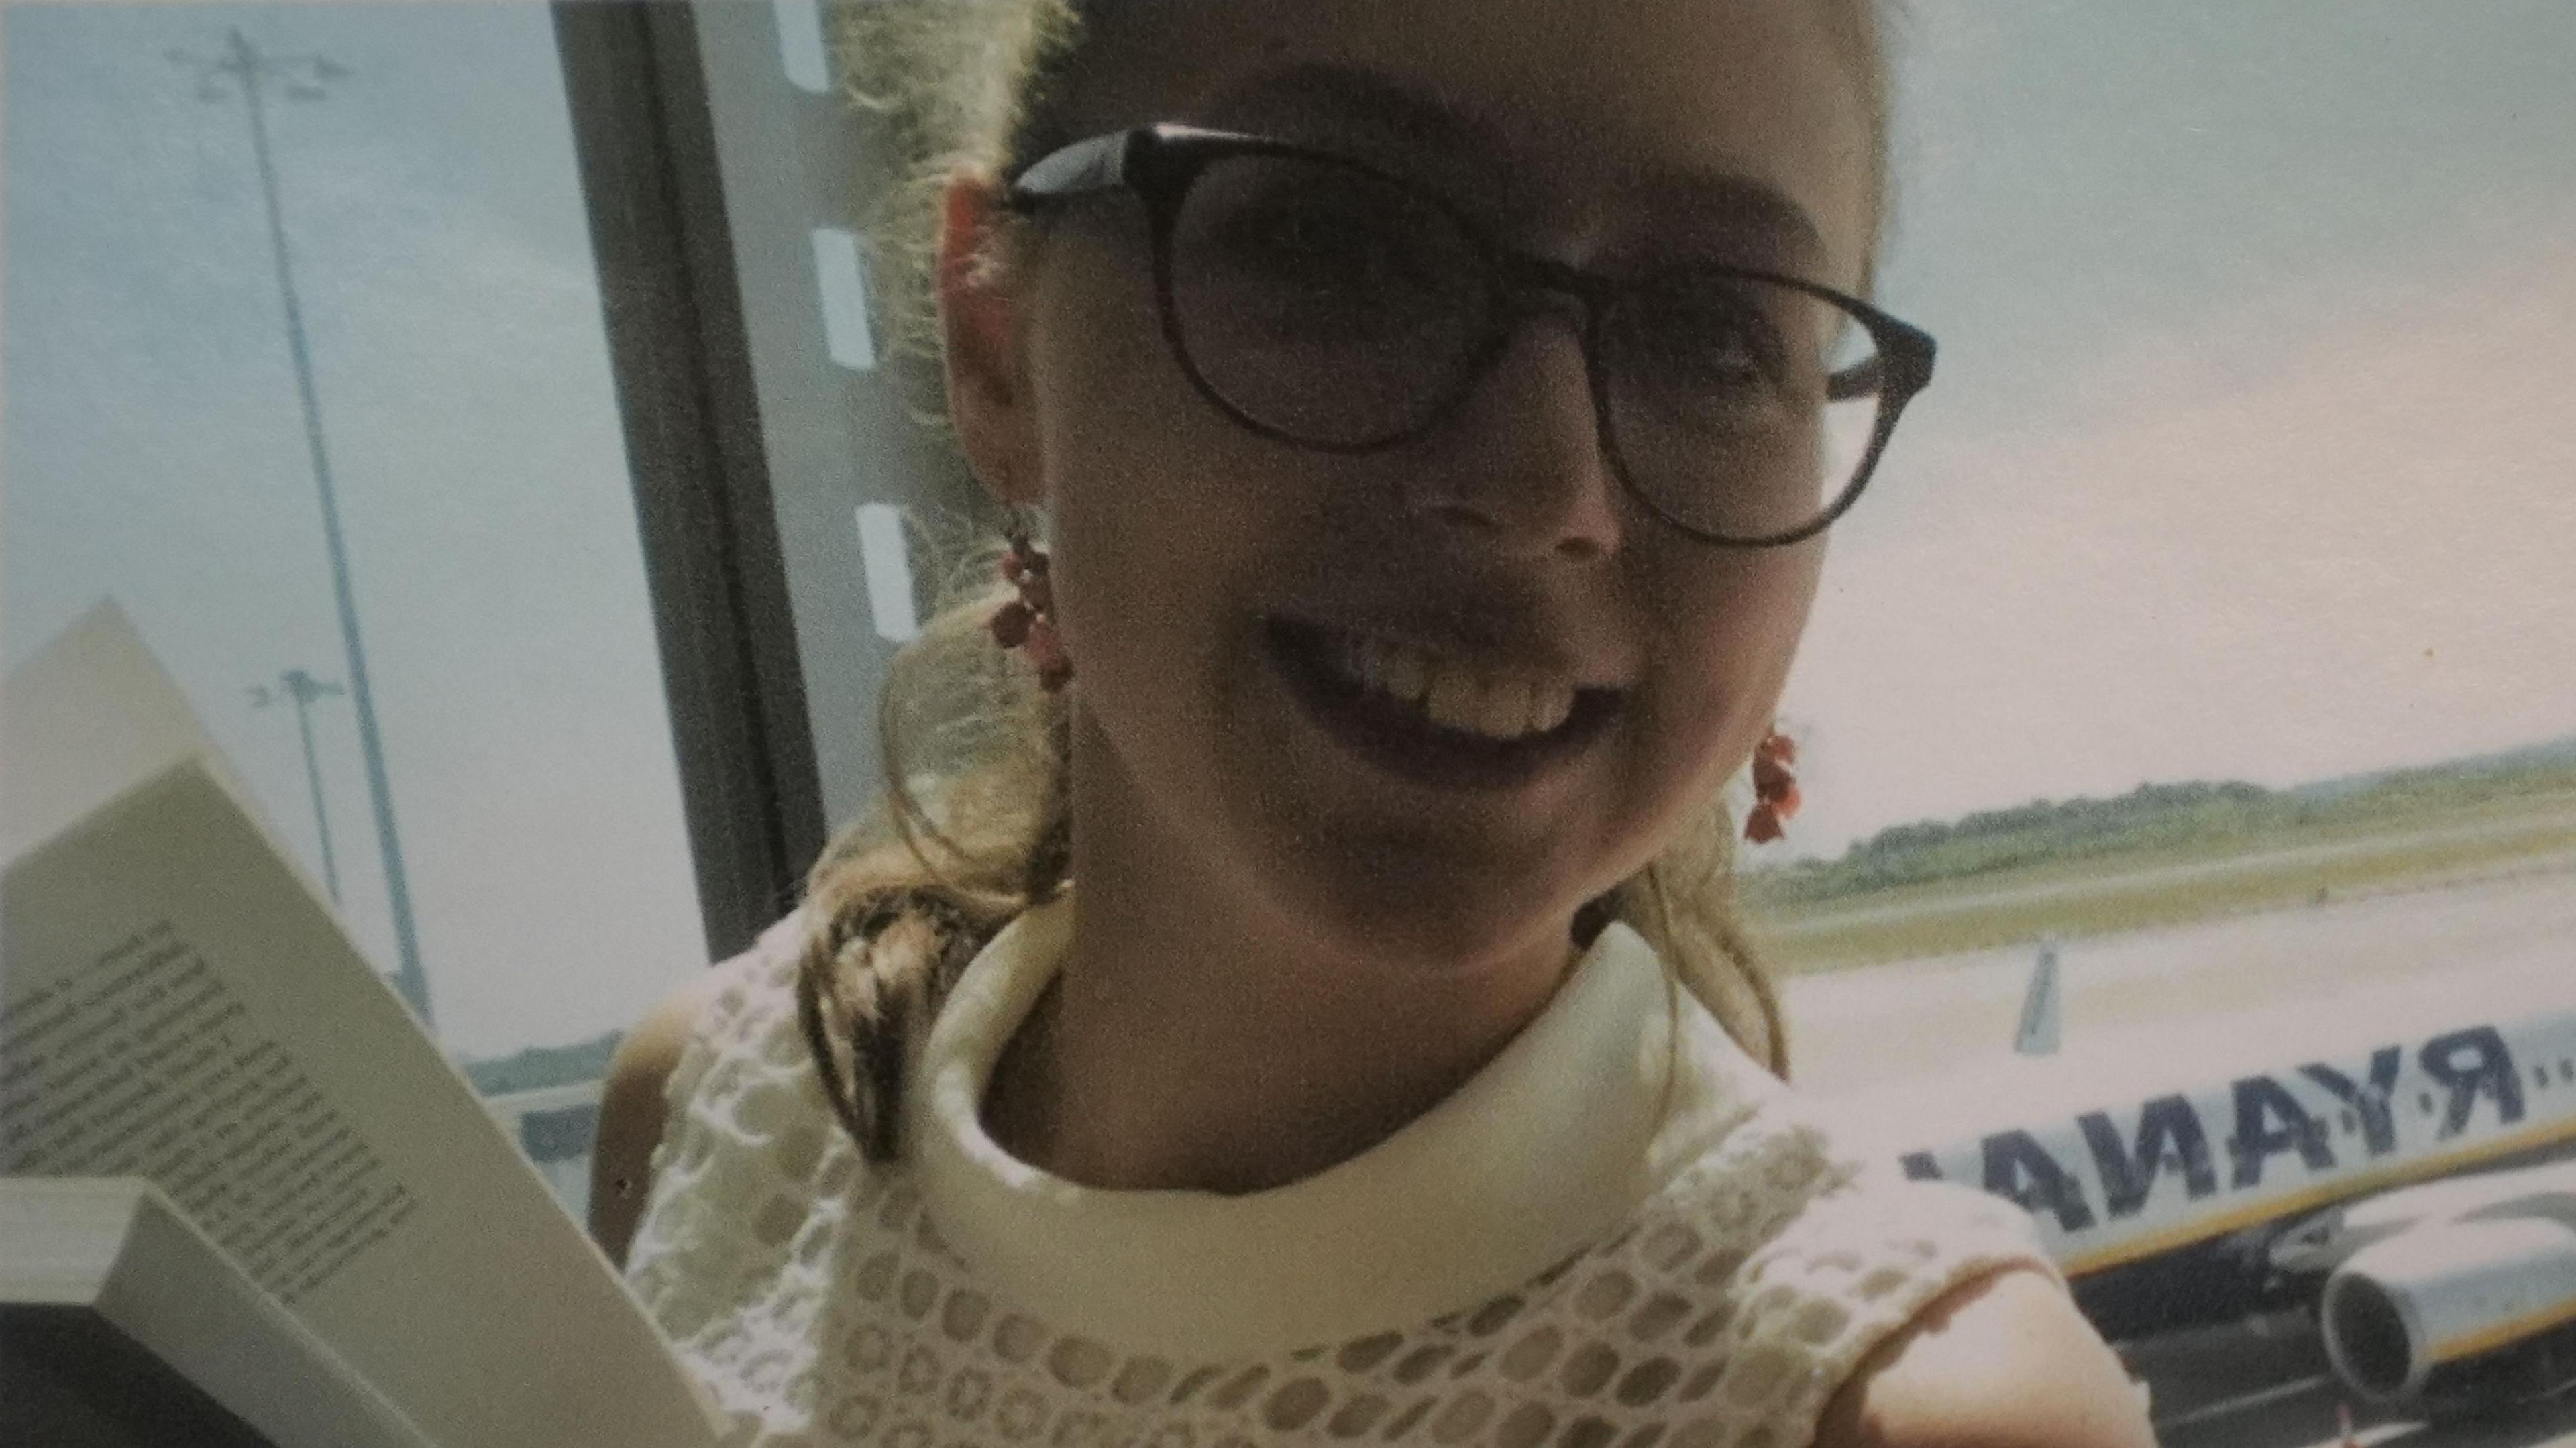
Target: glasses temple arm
1858	380
1099	164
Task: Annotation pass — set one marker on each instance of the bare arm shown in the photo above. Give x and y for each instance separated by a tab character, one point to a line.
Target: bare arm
631	1111
2002	1361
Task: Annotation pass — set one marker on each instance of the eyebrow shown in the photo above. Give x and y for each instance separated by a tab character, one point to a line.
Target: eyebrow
1381	114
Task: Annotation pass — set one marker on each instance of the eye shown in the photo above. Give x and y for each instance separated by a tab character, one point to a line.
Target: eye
1315	243
1708	334
1317	230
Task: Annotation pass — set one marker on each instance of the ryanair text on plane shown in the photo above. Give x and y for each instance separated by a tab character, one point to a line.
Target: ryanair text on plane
2184	1166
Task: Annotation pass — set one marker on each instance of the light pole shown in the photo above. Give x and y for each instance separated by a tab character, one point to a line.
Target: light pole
302	689
300	76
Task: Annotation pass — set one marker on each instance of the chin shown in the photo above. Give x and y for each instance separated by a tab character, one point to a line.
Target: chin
1412	916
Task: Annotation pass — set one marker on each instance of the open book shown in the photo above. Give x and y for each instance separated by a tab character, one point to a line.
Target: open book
121	1324
176	1004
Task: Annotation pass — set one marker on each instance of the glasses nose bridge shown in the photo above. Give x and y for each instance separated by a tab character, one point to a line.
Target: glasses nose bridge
1526	286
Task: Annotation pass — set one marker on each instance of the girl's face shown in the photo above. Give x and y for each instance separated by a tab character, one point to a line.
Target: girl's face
1216	587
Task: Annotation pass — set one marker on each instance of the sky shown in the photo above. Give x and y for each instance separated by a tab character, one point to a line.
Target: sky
154	452
2247	455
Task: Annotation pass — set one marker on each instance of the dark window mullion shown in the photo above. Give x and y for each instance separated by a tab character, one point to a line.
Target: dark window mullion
712	559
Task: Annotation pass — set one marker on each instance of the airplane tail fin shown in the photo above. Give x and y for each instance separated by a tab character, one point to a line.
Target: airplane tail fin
2043	1006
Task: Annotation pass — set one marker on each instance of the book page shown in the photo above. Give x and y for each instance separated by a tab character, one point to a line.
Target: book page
96	1272
148	1063
177	1005
84	720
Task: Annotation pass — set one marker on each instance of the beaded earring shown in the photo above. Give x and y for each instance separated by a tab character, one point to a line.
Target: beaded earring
1029	620
1775	787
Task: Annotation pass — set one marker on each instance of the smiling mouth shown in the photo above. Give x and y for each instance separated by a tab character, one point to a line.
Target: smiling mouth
1436	718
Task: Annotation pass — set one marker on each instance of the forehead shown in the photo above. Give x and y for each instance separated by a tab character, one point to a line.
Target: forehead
1586	118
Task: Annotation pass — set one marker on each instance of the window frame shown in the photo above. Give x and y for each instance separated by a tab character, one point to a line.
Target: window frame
644	138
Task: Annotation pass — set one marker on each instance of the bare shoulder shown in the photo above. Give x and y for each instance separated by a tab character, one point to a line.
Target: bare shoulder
631	1112
2000	1361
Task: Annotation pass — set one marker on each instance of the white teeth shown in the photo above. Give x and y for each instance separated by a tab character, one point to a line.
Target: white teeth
1405	674
1453	695
1506	709
1455	700
1549	706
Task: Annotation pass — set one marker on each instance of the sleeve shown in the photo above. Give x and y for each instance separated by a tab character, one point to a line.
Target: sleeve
1859	1262
737	1126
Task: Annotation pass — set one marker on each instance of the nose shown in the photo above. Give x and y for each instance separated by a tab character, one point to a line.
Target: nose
1519	468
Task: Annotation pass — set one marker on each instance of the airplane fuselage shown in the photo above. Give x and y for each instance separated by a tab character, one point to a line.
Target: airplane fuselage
2161	1208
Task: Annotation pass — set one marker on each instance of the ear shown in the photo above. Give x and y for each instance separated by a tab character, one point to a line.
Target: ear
980	325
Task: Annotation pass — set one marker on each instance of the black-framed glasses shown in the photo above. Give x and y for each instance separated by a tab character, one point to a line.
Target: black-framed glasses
1325	302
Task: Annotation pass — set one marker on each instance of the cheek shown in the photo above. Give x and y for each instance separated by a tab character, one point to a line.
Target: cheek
1729	630
1150	521
1758	611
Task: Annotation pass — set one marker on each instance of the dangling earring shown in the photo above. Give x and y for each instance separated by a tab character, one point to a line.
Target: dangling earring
1029	620
1775	787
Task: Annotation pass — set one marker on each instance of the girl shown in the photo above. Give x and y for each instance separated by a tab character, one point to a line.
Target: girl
1297	999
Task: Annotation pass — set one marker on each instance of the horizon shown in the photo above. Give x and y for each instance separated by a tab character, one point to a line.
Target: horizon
2354	780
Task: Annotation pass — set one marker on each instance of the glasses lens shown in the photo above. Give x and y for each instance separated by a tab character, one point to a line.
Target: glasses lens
1323	301
1740	408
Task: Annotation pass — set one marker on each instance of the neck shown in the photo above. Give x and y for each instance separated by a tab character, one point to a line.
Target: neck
1199	1036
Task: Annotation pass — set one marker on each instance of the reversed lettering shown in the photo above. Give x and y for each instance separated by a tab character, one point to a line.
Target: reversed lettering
2470	1064
2020	1169
2371	1102
2166	1125
2270	1120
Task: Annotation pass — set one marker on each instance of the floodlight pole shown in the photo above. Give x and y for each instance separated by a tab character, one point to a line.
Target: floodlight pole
254	70
302	689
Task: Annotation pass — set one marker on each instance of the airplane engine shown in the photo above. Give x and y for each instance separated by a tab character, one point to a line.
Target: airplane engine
2449	1310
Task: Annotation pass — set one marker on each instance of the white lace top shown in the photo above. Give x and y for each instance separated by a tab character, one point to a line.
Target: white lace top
1620	1231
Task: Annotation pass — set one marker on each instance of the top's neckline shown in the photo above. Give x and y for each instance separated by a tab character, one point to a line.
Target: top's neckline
1542	1152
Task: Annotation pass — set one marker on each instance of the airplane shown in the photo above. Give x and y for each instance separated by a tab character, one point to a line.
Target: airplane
2399	1164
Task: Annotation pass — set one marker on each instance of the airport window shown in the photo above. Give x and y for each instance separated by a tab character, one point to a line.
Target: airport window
601	402
840	482
2157	297
526	861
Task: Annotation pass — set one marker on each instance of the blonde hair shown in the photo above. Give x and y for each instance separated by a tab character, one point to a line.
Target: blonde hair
973	826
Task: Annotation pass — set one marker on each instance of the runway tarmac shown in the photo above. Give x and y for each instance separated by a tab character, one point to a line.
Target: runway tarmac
2266	1385
1864	1027
2262	1384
